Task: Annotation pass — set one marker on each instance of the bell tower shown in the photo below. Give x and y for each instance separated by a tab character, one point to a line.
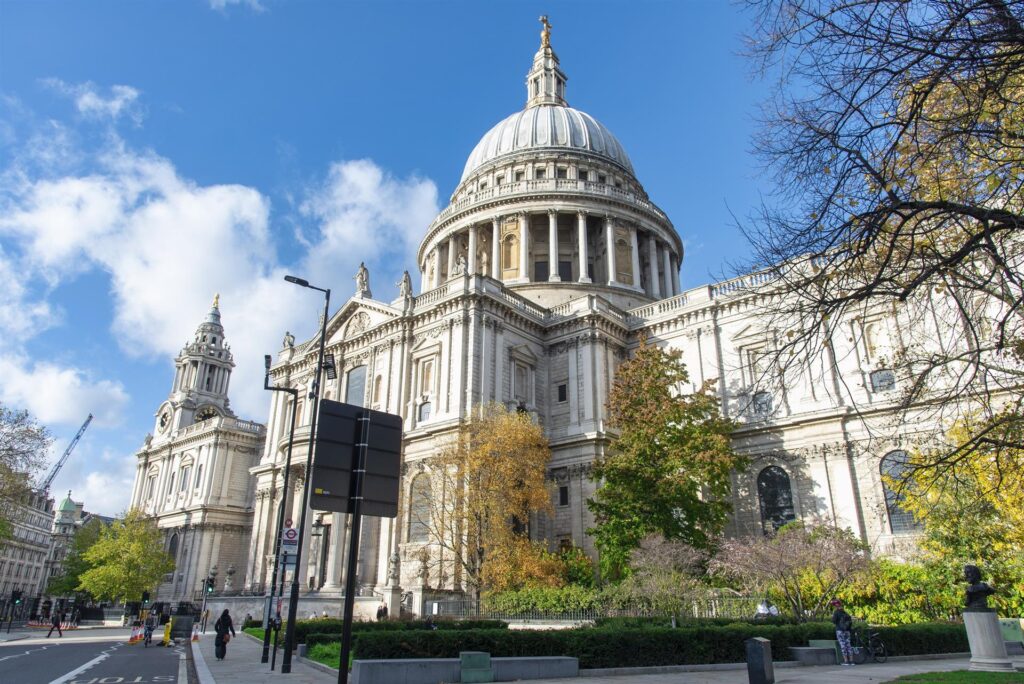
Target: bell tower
201	378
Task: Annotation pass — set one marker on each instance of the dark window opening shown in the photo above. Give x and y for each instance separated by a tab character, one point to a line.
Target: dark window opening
776	498
563	496
563	392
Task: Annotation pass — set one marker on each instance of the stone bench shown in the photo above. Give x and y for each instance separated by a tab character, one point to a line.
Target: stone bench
813	655
434	670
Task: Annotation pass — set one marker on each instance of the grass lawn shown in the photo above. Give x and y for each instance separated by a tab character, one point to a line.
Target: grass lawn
328	654
257	632
962	677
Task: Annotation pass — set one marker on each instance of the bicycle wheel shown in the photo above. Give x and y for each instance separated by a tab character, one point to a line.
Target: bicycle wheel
860	653
878	651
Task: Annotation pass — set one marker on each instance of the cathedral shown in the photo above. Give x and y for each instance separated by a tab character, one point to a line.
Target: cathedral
548	266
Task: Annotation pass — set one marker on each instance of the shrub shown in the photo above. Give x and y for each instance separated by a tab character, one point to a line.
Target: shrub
568	599
333	627
666	621
608	647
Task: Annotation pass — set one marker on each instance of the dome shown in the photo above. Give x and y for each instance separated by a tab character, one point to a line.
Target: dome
547	127
67	505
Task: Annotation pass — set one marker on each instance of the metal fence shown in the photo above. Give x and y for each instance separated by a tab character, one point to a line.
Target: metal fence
729	607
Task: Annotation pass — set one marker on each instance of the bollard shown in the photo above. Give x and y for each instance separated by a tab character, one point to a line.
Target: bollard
759	661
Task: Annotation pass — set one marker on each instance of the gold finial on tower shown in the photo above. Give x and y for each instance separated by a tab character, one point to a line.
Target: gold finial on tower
216	301
545	34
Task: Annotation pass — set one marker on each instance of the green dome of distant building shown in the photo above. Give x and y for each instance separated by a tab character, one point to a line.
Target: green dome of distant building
67	505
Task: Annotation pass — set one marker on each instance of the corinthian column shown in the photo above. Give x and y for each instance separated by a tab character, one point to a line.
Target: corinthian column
635	249
553	246
609	240
471	262
495	248
666	259
652	265
581	230
524	251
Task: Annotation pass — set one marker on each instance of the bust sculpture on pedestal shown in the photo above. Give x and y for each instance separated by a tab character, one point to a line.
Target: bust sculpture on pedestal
988	650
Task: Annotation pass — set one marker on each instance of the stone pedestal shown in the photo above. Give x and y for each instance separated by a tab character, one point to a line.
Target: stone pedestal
393	600
988	651
760	669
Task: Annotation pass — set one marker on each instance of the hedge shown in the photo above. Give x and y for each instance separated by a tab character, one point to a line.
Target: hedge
333	627
666	621
688	645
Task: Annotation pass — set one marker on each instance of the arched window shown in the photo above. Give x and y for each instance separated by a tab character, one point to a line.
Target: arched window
172	547
894	466
776	497
419	509
509	252
355	387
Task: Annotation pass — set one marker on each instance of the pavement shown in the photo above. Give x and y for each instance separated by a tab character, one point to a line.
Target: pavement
87	657
242	666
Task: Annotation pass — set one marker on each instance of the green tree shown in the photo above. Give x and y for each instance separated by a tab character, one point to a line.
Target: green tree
23	447
668	470
902	593
127	559
75	564
484	490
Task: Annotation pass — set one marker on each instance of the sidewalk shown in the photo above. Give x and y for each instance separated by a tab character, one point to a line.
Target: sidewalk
242	666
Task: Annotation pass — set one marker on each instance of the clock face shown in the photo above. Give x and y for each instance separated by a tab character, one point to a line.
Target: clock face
165	420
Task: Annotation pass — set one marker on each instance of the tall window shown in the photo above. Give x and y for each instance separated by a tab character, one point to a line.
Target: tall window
419	509
376	389
776	497
883	380
172	548
355	387
186	477
894	466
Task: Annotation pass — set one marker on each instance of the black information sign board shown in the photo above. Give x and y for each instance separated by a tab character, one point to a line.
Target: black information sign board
335	455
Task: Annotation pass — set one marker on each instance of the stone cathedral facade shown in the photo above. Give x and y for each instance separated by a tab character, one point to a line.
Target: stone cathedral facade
546	269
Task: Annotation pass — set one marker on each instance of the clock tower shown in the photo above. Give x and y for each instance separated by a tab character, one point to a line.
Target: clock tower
202	373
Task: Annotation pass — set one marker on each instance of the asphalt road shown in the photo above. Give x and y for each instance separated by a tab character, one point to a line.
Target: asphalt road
99	656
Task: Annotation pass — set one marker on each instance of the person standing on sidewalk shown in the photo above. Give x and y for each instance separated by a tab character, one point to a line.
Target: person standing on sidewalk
55	624
222	627
844	623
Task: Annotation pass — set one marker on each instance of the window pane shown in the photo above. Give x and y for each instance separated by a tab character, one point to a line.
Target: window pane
419	509
355	390
776	497
901	521
883	380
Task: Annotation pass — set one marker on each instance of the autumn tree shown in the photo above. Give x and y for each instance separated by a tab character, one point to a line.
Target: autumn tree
971	510
127	559
668	469
665	577
802	567
75	564
485	489
896	140
23	447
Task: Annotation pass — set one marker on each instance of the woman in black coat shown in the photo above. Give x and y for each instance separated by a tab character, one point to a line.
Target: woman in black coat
222	627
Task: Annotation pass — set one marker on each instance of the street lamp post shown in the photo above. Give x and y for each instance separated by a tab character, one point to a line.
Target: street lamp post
289	635
281	511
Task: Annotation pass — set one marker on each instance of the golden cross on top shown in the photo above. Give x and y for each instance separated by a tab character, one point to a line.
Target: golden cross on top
545	34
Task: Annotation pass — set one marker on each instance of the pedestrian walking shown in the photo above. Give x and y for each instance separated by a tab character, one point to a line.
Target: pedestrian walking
55	618
224	630
844	624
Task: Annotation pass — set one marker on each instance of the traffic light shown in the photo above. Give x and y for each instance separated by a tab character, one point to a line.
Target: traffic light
145	598
16	597
209	585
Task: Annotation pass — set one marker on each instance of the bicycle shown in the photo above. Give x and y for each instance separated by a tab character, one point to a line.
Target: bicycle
147	637
873	646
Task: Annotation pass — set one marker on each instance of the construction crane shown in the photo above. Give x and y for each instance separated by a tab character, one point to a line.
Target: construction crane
64	457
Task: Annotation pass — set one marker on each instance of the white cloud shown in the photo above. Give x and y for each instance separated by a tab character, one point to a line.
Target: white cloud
21	316
222	5
90	102
100	478
60	395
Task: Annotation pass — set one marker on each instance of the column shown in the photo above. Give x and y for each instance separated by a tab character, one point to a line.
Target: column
609	240
635	246
451	256
437	265
675	275
424	285
553	246
471	261
581	230
667	263
495	248
524	251
652	266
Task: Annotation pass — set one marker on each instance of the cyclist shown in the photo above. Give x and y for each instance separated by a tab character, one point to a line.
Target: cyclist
148	627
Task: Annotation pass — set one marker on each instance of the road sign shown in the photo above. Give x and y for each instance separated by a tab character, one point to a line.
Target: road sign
291	533
288	522
290	537
338	436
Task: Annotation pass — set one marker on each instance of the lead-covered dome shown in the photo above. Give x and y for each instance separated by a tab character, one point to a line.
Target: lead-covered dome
557	127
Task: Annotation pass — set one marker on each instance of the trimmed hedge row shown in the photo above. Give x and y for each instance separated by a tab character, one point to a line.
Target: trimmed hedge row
332	628
666	621
596	648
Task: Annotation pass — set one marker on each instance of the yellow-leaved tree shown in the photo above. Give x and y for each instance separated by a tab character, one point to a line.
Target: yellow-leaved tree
484	491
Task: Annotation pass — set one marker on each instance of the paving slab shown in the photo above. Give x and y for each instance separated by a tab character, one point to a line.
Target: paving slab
242	664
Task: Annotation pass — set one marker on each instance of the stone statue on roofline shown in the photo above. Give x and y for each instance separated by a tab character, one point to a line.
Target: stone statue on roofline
362	278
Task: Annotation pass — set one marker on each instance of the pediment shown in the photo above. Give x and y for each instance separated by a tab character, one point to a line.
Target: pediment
750	334
357	316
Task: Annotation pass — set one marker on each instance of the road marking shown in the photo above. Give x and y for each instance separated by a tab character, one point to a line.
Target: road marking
79	670
23	653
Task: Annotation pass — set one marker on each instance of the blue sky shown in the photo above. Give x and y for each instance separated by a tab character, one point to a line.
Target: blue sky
155	153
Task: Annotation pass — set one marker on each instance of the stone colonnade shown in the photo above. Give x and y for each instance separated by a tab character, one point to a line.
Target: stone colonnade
662	266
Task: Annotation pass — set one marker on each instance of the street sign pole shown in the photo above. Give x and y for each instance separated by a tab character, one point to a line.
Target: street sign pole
353	547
